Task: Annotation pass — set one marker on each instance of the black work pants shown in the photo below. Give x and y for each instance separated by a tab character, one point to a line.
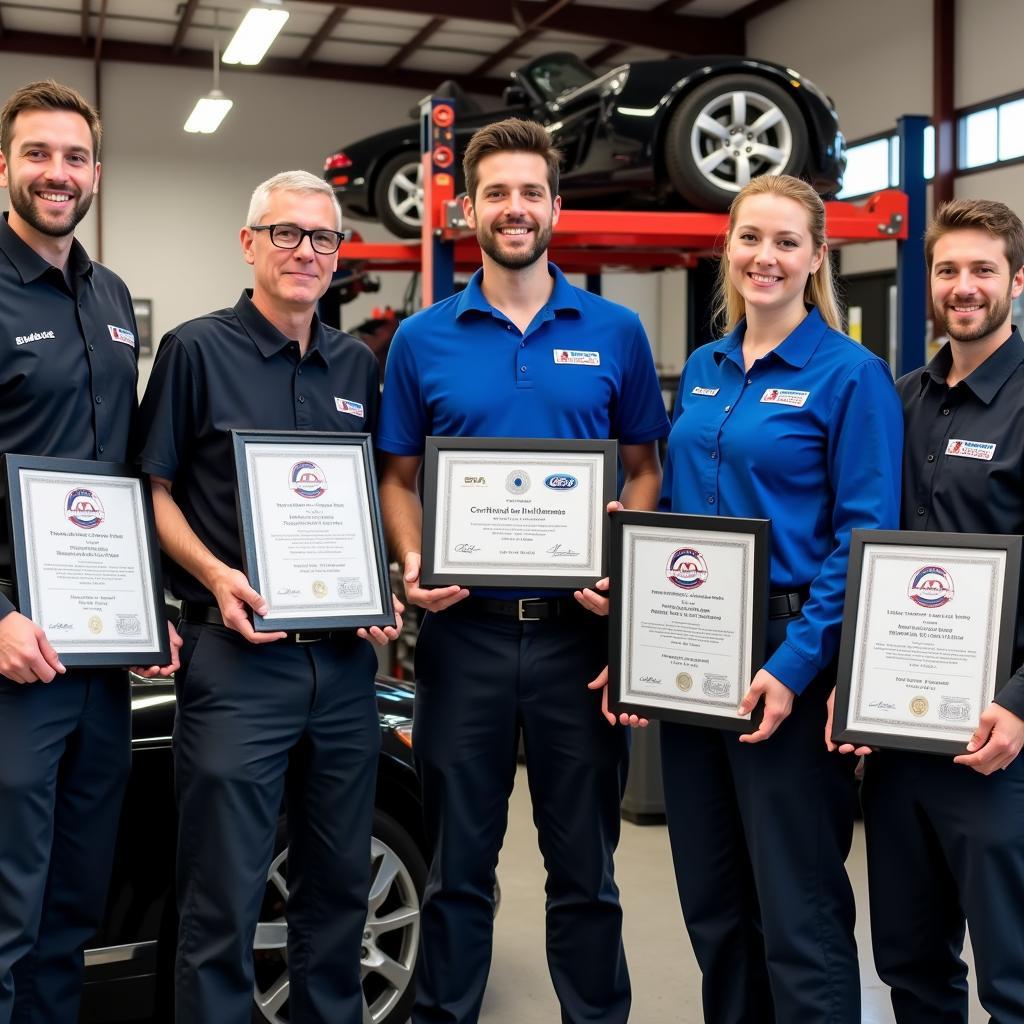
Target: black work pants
65	752
254	723
481	682
946	848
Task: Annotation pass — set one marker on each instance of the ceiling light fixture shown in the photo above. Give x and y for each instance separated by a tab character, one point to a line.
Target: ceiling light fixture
258	30
212	108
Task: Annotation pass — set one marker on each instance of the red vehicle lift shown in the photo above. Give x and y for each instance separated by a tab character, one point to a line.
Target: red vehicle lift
590	242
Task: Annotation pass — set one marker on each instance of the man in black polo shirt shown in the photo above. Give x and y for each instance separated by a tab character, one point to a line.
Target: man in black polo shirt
945	837
67	389
261	715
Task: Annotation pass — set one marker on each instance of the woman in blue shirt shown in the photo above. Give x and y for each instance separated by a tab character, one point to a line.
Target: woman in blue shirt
787	419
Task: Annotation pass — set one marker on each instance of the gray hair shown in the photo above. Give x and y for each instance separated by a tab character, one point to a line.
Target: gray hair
289	181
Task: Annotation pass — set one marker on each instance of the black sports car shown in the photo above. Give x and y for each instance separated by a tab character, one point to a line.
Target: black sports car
689	131
128	965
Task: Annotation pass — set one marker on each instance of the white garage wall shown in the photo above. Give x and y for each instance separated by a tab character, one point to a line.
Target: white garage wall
173	203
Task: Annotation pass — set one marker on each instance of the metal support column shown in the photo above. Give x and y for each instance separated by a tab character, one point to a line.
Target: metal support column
911	282
437	154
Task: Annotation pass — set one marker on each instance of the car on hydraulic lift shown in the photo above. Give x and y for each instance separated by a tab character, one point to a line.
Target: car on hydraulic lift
129	964
684	133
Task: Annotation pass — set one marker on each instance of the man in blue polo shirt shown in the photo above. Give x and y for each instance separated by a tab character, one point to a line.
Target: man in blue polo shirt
519	353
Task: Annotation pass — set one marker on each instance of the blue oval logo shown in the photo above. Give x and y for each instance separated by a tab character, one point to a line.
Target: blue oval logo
560	482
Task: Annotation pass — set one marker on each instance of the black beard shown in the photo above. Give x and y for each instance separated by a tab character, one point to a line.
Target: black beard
997	314
23	206
488	241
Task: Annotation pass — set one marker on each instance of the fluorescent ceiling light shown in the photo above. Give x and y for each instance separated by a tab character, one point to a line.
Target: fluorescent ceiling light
208	112
258	30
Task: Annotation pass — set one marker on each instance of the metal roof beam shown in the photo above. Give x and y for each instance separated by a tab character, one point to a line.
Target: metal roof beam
188	11
530	30
323	34
415	43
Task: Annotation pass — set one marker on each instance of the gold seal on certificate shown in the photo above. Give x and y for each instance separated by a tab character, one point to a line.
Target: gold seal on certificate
312	540
928	633
84	552
502	512
688	603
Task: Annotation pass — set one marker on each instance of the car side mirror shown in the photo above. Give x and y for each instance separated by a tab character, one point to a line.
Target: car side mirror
514	96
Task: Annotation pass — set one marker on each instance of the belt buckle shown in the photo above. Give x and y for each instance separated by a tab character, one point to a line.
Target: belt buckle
300	637
522	616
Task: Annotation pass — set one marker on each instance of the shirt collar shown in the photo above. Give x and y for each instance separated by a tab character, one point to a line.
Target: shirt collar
268	339
796	349
30	265
563	296
985	382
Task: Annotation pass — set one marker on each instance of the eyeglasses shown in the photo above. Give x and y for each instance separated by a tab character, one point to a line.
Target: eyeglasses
289	236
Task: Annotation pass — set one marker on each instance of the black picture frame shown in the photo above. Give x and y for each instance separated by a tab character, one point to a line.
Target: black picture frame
430	575
928	542
384	615
686	527
17	515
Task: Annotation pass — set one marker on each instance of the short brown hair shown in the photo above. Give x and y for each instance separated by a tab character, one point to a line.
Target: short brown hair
513	135
48	95
995	219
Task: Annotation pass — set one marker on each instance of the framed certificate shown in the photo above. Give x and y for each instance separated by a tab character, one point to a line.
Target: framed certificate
515	512
928	633
688	614
312	540
85	558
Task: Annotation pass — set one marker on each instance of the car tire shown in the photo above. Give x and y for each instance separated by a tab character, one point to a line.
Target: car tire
391	939
398	195
728	130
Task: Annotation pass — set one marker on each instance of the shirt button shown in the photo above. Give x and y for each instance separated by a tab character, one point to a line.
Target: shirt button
920	510
714	455
508	327
728	407
522	344
711	499
99	399
92	348
302	399
299	372
101	449
749	380
931	458
945	412
522	369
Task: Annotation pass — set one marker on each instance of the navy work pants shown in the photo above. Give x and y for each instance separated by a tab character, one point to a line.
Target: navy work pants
760	834
255	723
65	752
482	681
946	847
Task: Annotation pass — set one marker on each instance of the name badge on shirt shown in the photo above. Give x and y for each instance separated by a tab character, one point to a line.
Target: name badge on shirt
783	396
125	337
576	357
347	405
708	392
970	449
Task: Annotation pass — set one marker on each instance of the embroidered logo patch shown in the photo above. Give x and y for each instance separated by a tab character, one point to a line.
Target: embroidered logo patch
709	392
350	407
783	396
25	339
577	357
970	449
125	337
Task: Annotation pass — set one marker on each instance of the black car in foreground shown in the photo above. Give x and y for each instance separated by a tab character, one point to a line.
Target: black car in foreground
129	964
683	132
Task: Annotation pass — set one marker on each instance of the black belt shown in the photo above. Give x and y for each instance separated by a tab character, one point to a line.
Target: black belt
525	609
782	606
209	615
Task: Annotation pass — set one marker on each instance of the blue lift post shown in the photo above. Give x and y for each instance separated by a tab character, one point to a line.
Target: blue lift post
437	139
911	284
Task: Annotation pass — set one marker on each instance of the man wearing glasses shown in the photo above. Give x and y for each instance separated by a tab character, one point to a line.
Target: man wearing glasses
261	716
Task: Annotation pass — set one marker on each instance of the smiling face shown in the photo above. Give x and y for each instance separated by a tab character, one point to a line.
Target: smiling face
513	212
291	280
772	254
972	286
50	173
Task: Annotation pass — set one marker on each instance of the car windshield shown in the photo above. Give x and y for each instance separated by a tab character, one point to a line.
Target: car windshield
559	73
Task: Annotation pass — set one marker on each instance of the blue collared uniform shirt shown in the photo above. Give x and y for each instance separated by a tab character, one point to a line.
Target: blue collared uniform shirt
809	437
582	369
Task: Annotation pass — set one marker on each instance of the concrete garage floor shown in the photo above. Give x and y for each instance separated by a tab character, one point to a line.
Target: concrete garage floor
664	974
